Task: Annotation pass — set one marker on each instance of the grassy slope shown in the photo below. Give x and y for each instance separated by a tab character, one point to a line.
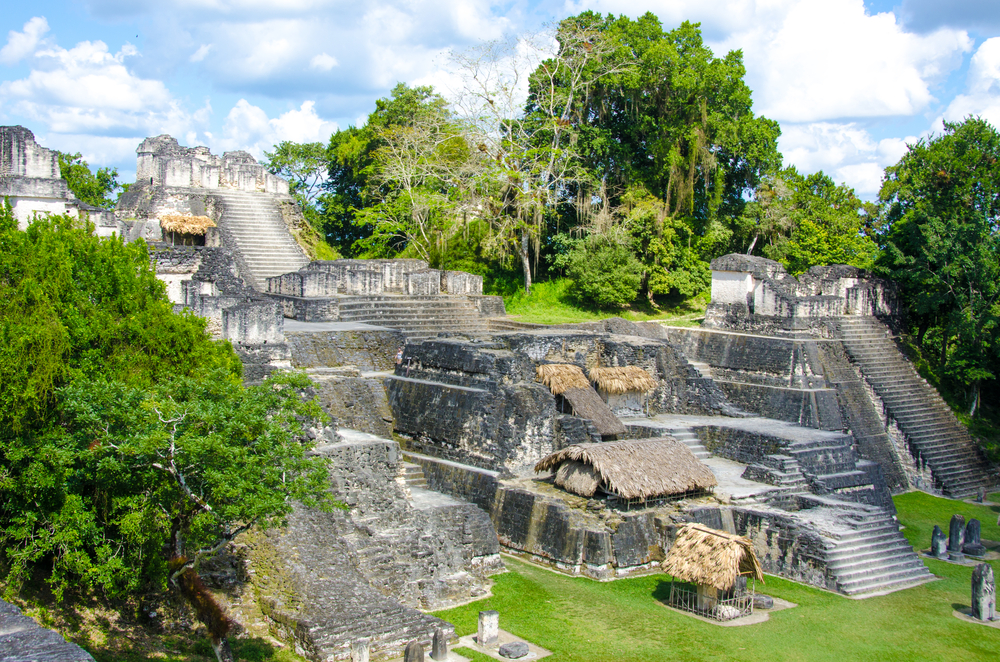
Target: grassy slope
551	303
582	620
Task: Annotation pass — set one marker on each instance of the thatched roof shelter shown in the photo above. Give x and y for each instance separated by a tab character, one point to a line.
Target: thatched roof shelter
587	404
632	469
622	380
186	223
706	556
561	376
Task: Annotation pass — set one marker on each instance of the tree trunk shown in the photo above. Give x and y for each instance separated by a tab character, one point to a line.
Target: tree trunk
223	653
975	398
525	263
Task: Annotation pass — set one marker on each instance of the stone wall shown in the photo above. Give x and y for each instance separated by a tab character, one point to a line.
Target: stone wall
328	278
365	350
479	402
358	403
22	639
555	529
333	577
163	162
30	178
751	293
206	281
784	545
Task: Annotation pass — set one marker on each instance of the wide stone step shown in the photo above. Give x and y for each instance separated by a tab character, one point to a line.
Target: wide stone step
890	584
858	537
866	555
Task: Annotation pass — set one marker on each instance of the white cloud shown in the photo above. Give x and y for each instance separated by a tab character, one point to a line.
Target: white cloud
248	127
826	60
323	62
810	60
200	54
87	89
22	44
982	97
847	152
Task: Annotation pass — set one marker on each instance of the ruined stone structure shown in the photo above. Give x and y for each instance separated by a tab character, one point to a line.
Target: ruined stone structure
792	393
332	578
21	638
255	217
819	350
30	179
400	294
477	422
207	281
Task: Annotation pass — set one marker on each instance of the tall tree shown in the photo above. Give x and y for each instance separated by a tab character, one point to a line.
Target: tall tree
670	141
355	182
530	156
942	213
807	220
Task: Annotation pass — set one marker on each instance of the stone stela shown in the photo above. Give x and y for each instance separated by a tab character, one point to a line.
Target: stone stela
489	628
984	593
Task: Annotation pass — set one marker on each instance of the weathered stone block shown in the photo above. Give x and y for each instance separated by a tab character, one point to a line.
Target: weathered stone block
514	650
489	628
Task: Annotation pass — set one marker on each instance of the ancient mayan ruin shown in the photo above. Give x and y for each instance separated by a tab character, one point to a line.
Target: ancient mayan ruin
791	405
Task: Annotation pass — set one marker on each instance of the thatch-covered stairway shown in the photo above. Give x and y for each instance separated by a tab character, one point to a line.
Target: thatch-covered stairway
935	437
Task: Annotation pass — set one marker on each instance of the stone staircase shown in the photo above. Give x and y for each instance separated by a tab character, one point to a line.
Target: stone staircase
254	224
413	475
417	316
689	438
779	470
866	553
935	437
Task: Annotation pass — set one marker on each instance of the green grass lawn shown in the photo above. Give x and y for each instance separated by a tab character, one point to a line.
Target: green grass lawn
583	620
551	303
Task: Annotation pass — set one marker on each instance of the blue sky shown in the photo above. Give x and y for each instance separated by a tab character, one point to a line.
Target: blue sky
851	82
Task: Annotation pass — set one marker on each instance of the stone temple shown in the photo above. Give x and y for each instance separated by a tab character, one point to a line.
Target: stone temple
792	393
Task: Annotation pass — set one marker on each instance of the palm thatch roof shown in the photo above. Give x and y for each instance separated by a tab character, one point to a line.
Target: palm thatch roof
622	380
702	555
185	223
561	376
637	468
587	404
578	478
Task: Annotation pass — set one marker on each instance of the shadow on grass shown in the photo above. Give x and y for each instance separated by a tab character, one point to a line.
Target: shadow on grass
661	591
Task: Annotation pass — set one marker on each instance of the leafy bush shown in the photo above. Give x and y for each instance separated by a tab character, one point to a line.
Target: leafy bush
604	273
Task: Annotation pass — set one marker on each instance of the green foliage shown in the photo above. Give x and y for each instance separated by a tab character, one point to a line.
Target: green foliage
605	274
357	184
188	462
123	426
806	221
942	217
74	305
304	166
675	119
670	251
94	189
